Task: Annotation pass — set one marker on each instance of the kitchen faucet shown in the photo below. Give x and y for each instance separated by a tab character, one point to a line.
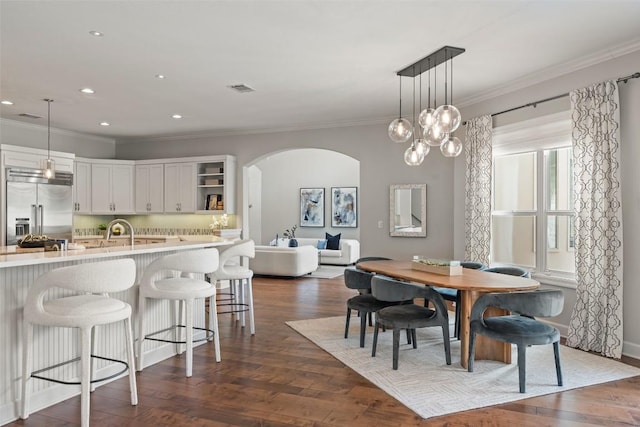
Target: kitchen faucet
125	222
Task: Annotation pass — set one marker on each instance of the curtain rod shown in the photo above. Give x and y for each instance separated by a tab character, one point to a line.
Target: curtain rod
535	103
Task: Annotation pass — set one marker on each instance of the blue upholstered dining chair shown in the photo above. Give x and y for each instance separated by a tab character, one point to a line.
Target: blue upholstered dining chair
454	295
512	271
521	327
408	316
364	303
473	265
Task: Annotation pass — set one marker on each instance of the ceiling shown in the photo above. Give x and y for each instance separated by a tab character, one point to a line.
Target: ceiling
311	63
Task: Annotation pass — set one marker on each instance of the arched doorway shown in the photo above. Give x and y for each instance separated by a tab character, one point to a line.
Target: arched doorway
271	191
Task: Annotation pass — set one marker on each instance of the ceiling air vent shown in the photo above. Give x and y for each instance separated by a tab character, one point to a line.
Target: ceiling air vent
29	116
242	88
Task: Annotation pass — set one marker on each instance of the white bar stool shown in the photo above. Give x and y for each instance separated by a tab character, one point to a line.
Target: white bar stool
169	278
239	277
93	307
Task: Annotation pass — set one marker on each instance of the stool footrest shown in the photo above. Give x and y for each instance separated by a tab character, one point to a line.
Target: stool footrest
77	359
234	308
210	334
224	297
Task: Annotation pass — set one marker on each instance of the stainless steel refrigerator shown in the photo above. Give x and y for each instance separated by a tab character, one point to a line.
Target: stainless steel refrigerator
38	205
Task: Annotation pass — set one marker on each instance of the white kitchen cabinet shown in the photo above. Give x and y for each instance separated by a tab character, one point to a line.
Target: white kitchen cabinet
149	188
31	158
81	187
180	187
204	184
112	187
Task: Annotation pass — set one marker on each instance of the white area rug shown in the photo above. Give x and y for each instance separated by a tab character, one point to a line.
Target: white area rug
327	272
429	387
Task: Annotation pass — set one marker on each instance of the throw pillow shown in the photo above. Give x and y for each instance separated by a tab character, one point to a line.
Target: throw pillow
322	244
282	243
333	242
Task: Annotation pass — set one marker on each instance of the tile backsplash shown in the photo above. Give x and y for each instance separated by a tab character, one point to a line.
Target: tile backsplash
161	225
148	231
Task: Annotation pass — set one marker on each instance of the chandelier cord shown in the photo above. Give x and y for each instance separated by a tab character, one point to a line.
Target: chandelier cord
445	77
420	108
414	113
414	100
429	90
48	128
400	112
435	87
451	59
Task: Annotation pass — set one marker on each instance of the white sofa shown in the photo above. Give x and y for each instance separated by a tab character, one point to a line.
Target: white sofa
347	253
284	261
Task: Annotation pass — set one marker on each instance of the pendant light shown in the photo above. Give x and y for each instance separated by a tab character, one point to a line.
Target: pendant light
447	116
412	156
400	129
452	147
422	147
48	165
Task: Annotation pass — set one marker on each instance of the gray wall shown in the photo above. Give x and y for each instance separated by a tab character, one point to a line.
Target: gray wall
381	164
35	136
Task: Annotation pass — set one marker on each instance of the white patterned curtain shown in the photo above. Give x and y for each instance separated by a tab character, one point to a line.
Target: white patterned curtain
477	207
596	320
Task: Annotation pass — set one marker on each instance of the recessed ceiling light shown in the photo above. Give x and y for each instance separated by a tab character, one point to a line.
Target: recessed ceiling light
176	116
105	124
30	116
242	88
96	33
160	76
87	90
6	102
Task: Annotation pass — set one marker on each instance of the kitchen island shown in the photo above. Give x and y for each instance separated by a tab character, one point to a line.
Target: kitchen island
54	345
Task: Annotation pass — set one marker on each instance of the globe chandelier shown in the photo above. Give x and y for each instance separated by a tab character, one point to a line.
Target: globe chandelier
435	124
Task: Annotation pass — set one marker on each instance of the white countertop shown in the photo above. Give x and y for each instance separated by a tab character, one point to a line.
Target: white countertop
23	259
126	236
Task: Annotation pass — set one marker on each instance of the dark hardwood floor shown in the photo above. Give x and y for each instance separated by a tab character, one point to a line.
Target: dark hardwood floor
279	378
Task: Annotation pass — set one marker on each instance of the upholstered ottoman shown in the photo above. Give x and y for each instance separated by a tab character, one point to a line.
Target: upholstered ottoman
284	261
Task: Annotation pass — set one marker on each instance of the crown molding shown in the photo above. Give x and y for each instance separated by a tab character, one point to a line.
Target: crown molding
553	72
57	131
257	131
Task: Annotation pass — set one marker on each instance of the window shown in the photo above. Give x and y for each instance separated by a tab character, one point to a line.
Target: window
532	206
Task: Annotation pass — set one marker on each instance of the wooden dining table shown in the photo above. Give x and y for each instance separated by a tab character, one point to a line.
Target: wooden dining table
471	284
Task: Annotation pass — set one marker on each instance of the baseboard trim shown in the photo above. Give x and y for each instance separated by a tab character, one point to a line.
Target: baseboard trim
632	351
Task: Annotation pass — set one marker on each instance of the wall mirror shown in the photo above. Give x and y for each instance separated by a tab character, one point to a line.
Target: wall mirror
408	210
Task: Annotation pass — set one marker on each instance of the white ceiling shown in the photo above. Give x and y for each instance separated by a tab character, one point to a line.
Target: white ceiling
312	63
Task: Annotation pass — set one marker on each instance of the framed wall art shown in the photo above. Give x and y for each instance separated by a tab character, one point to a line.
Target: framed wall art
312	207
344	207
